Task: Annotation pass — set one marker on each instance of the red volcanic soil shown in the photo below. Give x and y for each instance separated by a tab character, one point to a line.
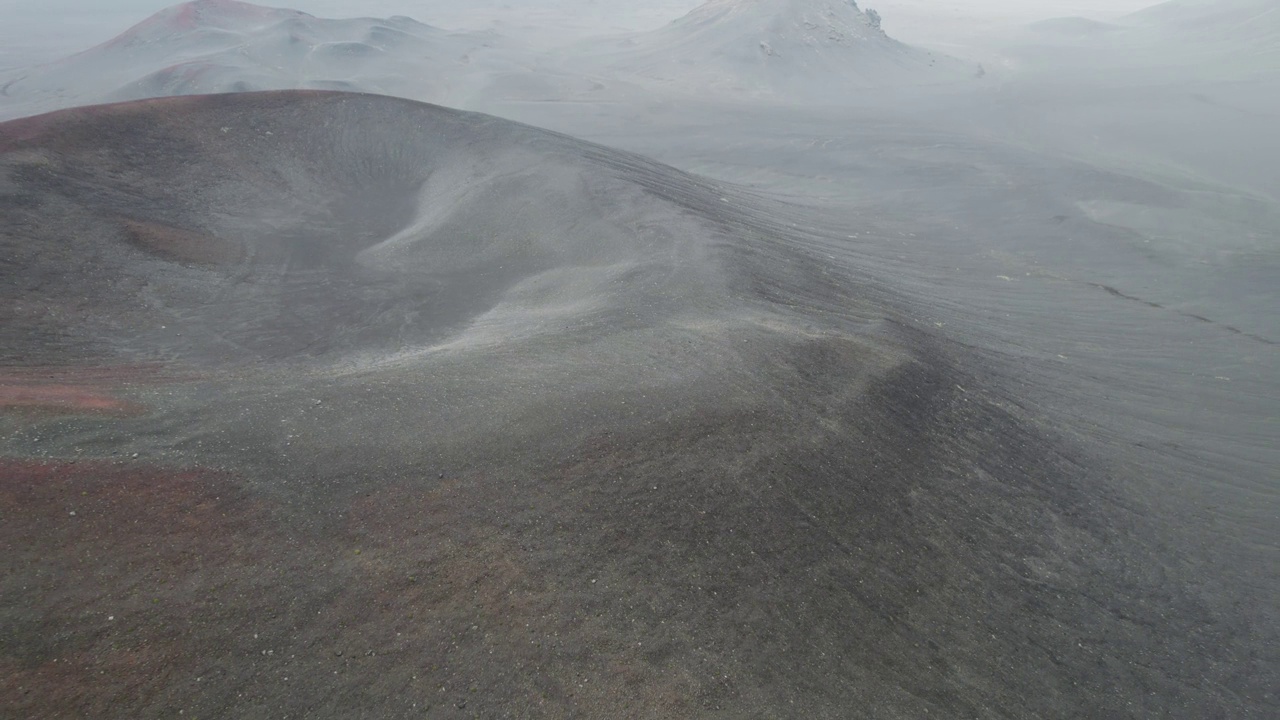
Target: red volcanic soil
181	245
61	398
73	391
104	569
130	590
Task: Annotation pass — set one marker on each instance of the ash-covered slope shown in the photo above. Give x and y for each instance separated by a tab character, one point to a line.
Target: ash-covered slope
821	50
384	227
329	405
209	46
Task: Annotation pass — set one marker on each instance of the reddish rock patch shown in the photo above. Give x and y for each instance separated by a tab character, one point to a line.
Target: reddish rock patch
74	390
179	245
60	399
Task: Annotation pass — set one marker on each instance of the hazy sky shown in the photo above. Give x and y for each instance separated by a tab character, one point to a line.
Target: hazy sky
45	29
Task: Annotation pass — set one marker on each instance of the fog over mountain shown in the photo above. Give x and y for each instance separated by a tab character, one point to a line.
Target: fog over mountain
34	32
1197	40
1214	19
210	46
737	359
811	50
1243	34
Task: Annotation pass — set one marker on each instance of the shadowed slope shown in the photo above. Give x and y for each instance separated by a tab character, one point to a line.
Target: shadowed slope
393	406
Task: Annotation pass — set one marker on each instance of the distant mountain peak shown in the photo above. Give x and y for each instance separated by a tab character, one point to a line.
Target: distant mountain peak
835	11
809	22
818	49
205	15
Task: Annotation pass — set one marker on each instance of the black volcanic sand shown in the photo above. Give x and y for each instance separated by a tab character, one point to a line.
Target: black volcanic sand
334	405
